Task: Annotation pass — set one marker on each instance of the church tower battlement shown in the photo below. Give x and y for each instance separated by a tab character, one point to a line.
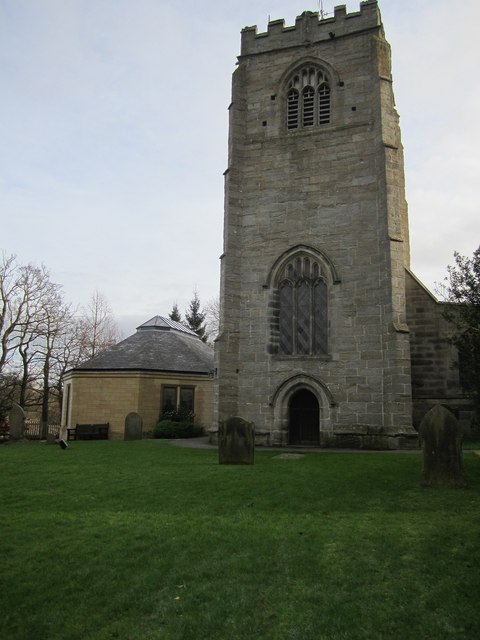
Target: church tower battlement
309	28
313	344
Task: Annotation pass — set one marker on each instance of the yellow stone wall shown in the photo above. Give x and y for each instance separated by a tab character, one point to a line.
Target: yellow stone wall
97	397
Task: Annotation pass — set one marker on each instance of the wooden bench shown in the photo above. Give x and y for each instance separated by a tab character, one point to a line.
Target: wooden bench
88	432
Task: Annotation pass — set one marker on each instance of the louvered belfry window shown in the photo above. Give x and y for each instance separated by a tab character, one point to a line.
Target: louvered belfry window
308	107
293	100
308	98
303	308
323	103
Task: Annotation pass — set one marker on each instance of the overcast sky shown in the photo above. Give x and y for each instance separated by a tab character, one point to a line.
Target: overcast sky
113	138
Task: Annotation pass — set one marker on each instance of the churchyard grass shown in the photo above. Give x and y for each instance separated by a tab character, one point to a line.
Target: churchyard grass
145	541
471	443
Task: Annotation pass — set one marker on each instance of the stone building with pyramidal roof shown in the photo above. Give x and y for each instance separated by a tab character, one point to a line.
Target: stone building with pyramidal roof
163	365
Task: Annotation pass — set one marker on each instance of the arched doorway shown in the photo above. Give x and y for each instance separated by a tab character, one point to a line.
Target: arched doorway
303	419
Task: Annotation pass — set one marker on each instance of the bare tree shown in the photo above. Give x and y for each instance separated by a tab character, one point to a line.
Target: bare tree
23	290
69	353
40	337
31	330
9	316
56	316
97	330
212	317
8	392
27	355
79	339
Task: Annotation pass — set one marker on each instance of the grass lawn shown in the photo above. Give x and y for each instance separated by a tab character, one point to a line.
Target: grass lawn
471	443
144	541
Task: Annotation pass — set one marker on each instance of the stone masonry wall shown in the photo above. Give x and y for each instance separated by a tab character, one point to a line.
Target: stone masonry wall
435	375
339	190
111	396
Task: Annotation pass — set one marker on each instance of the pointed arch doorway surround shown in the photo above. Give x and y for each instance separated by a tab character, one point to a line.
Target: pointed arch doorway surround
304	419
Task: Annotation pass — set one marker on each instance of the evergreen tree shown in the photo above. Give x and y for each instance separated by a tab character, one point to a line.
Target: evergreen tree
175	314
196	318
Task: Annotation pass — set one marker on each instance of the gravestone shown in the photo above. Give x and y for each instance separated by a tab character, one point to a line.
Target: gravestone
16	419
236	441
442	449
133	427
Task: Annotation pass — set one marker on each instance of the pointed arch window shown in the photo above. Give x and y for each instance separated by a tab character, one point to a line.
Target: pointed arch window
302	307
285	316
308	98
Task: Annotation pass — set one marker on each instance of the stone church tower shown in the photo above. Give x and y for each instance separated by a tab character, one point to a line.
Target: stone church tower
314	347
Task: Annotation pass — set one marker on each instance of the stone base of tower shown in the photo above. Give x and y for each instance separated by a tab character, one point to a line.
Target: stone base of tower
404	439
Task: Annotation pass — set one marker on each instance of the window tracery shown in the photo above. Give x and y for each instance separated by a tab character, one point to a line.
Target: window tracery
308	98
302	307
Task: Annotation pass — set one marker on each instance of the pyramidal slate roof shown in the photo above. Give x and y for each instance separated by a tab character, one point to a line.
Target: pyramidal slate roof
160	344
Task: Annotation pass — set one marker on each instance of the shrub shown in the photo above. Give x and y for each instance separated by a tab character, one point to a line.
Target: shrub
167	428
178	415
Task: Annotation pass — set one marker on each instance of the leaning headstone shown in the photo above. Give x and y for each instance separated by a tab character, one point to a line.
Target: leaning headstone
133	427
16	419
236	441
442	449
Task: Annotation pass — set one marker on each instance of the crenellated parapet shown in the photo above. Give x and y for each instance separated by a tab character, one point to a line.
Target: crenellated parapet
310	28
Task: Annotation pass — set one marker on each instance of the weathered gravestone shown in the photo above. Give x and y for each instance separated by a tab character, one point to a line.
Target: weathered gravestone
133	427
236	441
16	419
442	449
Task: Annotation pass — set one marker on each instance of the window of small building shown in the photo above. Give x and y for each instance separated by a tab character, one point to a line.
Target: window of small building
169	399
186	398
178	397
